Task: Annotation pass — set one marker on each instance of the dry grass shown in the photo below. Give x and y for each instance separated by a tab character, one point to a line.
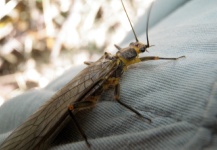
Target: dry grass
41	39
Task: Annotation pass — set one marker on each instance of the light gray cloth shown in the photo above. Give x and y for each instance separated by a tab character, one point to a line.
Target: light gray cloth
179	96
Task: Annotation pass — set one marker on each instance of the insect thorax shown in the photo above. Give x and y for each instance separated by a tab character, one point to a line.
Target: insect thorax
127	56
127	53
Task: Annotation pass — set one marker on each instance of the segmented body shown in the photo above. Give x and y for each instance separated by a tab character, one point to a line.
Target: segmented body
81	92
46	123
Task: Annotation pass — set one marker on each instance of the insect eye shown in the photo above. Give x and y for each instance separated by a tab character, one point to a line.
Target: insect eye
142	49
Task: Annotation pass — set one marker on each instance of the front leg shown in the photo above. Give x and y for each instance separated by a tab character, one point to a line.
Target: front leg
158	58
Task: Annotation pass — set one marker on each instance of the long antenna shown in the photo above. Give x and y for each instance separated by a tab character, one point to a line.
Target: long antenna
149	12
130	22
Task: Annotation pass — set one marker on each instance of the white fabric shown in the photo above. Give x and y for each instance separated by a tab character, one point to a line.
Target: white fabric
180	96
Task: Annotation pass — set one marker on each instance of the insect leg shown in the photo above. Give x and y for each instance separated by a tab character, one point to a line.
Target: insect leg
82	105
79	127
88	63
118	47
117	98
157	58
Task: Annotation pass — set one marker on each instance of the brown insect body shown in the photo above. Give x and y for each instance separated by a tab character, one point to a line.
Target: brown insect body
39	128
82	92
44	123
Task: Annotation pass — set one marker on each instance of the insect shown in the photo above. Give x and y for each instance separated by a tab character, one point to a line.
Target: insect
81	92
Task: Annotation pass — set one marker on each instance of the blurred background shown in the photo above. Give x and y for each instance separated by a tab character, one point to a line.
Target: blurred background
40	39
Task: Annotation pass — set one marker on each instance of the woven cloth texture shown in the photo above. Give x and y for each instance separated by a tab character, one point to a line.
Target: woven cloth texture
179	96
